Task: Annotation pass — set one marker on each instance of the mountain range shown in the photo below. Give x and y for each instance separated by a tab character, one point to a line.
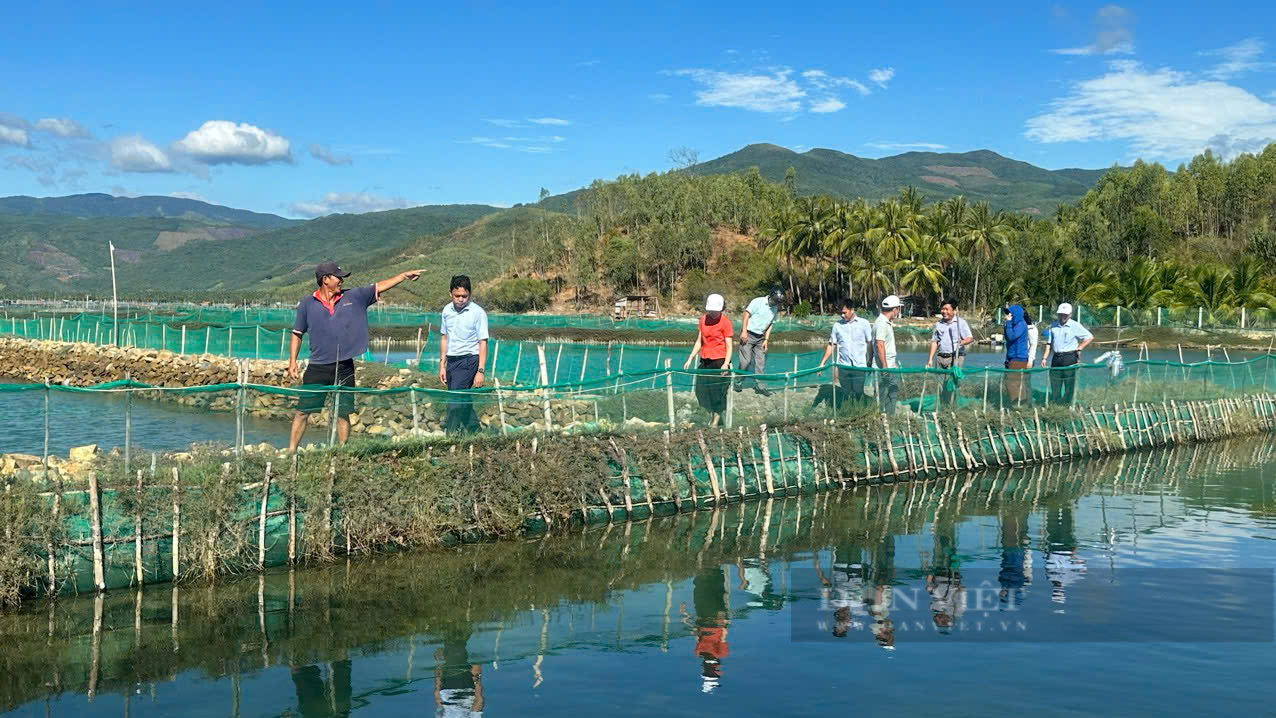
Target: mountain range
170	246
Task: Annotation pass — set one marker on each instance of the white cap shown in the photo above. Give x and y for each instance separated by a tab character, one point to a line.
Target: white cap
714	303
890	302
1064	308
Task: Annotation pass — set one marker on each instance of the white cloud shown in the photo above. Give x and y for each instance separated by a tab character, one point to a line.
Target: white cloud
774	92
1238	58
658	97
829	104
188	195
133	153
881	75
323	154
588	63
223	142
505	123
1113	33
1162	113
905	146
347	203
534	145
548	121
62	127
15	136
821	80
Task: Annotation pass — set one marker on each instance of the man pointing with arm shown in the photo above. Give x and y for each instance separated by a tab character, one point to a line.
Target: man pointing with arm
337	321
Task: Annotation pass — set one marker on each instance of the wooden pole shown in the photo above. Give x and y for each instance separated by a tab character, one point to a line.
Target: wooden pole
261	520
177	526
500	406
549	415
584	362
137	534
558	357
292	512
669	394
95	527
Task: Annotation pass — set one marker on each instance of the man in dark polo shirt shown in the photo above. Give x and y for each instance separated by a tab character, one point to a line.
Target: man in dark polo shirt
337	321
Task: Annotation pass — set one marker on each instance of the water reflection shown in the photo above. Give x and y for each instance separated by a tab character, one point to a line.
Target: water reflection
577	621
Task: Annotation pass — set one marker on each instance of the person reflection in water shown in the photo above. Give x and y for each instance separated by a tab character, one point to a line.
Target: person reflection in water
1063	565
458	683
880	593
943	582
317	697
709	626
842	590
1016	561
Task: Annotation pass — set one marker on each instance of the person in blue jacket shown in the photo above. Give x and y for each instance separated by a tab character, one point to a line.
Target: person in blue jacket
1016	332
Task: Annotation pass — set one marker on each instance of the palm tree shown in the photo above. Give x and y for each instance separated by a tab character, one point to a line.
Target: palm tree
925	274
1246	286
814	220
895	233
1135	286
1207	287
985	234
777	236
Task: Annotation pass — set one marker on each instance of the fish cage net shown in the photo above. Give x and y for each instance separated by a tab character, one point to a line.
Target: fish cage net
239	415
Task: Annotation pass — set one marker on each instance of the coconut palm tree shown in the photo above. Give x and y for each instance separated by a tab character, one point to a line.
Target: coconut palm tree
778	238
985	234
895	233
925	273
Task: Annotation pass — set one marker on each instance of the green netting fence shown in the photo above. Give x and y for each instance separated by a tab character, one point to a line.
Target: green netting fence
670	399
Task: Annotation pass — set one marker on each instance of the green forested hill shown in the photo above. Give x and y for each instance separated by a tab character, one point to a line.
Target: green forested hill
159	257
105	205
980	175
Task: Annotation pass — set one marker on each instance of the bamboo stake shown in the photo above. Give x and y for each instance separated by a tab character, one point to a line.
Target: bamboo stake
673	486
500	407
624	477
668	393
713	473
95	526
137	534
261	521
177	526
766	463
549	416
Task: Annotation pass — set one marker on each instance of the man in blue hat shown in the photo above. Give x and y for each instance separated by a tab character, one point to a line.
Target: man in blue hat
337	321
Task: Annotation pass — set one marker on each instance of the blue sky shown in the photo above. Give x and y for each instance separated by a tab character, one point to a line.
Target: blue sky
312	108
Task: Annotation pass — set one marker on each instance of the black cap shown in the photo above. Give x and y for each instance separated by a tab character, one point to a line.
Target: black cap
777	295
327	268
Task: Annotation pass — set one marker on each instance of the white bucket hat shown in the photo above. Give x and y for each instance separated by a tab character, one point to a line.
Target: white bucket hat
714	303
890	302
1064	308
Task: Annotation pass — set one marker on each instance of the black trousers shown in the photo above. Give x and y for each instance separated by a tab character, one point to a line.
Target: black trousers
461	371
711	391
1063	376
339	374
850	386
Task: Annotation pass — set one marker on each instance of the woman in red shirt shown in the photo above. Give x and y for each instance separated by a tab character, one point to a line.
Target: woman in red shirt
714	347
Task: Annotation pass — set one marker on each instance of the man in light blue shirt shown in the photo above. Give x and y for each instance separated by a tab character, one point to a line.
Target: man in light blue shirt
755	333
462	354
853	337
1065	339
948	341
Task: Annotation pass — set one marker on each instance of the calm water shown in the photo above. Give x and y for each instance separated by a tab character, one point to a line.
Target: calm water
731	612
78	419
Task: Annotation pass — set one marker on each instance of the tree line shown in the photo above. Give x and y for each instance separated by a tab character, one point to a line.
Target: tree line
1203	235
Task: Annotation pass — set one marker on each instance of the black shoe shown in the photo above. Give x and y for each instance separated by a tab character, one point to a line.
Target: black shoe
739	387
763	390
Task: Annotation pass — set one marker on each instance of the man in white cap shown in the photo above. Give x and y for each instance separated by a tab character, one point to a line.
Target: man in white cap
1065	339
884	353
714	347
